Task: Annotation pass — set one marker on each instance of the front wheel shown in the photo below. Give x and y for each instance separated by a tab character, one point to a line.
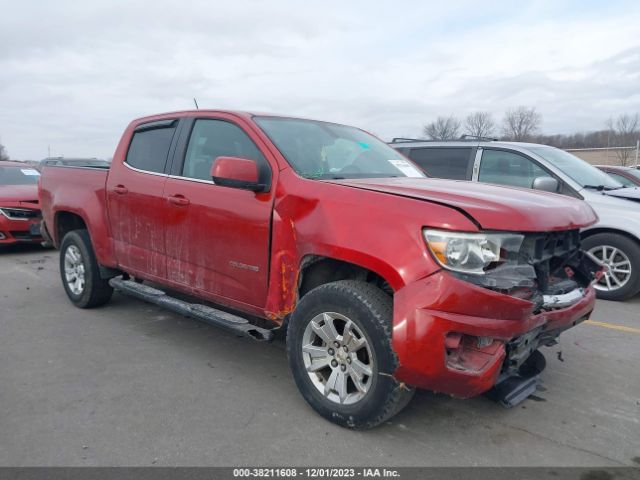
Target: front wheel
340	354
80	271
620	257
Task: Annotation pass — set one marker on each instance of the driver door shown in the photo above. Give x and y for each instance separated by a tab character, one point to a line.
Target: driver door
217	238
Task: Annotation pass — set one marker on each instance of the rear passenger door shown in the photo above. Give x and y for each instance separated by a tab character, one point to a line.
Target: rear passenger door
135	203
455	163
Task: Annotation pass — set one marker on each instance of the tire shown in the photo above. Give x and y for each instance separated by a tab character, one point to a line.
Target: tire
80	273
366	400
629	251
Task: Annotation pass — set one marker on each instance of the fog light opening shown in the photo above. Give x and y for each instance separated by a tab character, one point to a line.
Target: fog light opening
469	353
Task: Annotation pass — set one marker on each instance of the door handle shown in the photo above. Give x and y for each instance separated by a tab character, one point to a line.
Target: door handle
120	189
179	200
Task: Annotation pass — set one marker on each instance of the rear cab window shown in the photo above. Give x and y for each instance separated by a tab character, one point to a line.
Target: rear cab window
455	163
149	147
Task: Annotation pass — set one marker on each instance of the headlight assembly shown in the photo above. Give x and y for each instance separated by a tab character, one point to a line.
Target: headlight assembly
472	252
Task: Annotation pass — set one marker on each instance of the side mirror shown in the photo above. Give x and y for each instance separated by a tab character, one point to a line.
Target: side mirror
546	184
236	172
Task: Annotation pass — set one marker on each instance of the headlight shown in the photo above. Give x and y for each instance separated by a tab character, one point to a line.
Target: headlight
472	252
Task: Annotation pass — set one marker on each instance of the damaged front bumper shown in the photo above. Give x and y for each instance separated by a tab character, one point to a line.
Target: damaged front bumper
19	225
455	337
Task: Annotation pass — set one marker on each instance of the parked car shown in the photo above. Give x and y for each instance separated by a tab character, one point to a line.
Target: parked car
627	176
19	205
382	279
614	241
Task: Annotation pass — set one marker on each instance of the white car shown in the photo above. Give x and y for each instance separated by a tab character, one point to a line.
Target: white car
614	240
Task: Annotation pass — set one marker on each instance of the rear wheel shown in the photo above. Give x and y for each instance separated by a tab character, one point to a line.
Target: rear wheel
620	256
80	272
340	354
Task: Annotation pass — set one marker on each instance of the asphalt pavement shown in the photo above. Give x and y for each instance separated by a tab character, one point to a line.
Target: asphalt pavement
130	384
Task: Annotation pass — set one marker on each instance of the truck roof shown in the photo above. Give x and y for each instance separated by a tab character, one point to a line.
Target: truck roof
238	113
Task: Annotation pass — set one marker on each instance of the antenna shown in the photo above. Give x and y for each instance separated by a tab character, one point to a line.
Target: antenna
196	102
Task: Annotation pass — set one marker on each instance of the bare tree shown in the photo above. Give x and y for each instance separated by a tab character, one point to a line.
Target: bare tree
479	124
521	123
624	133
3	153
444	128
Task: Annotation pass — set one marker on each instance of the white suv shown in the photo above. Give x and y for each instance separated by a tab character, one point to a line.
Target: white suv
614	240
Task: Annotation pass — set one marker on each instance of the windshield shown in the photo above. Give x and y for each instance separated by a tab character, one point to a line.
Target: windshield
321	150
18	176
582	172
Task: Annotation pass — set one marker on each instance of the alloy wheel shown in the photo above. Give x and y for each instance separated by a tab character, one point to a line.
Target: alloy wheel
74	270
338	358
617	267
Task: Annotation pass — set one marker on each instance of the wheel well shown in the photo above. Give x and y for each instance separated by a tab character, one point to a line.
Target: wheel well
66	222
316	271
595	231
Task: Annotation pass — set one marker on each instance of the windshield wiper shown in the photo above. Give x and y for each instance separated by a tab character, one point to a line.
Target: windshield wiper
601	188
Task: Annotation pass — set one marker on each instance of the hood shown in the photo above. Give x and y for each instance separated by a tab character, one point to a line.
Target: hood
632	193
19	195
492	207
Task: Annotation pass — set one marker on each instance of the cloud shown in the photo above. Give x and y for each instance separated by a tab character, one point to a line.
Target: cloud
73	74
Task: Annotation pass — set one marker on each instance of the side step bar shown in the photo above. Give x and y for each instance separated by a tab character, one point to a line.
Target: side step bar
213	316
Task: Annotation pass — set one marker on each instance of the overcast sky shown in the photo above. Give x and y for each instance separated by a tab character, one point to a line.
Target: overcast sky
74	73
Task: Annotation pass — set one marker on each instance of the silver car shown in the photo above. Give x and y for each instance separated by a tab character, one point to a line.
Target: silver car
614	240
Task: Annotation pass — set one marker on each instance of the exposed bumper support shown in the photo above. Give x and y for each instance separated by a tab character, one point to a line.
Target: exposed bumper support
564	300
454	337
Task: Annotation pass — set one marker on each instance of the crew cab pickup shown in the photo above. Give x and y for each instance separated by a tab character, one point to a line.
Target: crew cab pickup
383	280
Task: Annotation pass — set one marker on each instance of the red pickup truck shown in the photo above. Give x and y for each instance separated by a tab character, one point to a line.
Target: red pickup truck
384	281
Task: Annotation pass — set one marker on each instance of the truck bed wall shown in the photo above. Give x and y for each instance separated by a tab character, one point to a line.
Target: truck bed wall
79	191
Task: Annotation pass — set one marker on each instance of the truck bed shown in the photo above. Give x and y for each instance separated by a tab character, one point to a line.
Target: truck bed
78	190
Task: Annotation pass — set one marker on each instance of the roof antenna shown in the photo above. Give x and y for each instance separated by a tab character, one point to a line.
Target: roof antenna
196	102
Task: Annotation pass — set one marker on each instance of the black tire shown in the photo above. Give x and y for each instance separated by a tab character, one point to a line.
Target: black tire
631	249
371	310
96	290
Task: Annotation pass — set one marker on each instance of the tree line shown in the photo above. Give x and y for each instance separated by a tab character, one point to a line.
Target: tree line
3	153
522	124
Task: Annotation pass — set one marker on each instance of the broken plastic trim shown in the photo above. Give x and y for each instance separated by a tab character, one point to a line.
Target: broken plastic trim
556	282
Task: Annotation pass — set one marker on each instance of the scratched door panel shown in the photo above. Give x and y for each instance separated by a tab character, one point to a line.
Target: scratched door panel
218	243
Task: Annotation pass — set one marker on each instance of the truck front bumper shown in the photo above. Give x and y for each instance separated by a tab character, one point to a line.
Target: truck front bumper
454	337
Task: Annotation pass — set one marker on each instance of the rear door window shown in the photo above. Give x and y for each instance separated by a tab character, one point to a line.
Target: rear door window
508	168
149	147
453	163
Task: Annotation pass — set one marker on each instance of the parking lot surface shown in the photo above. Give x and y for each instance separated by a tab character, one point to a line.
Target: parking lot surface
131	384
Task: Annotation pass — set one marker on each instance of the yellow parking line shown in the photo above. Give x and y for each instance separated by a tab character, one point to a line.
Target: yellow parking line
613	326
